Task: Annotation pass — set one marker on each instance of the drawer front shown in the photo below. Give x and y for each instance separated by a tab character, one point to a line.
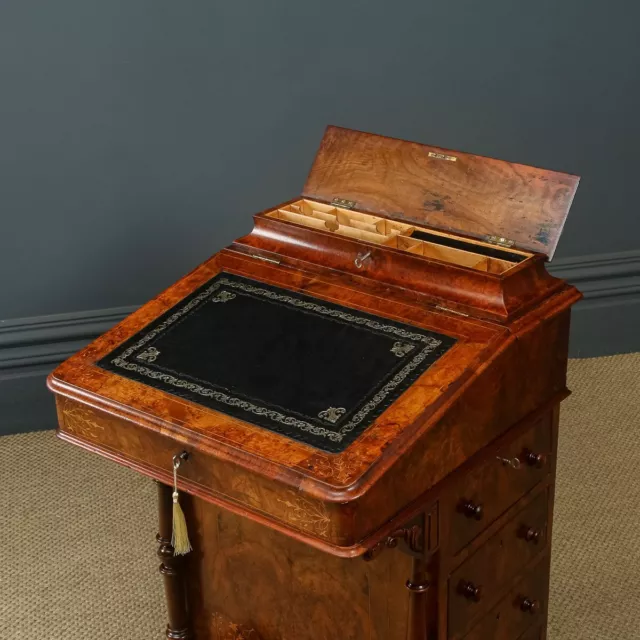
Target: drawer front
524	606
202	475
488	490
477	584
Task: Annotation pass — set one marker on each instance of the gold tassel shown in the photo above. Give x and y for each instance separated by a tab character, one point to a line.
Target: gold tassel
179	535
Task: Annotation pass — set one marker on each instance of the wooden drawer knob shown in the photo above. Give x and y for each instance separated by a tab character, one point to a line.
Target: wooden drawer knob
472	510
529	605
532	535
537	460
470	591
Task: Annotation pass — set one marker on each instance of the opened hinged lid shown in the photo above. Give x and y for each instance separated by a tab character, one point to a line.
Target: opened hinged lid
493	200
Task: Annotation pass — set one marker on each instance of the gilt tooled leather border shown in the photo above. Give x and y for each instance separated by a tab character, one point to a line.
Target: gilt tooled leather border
136	359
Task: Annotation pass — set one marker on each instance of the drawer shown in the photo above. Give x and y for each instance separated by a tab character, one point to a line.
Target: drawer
203	475
477	584
488	490
525	605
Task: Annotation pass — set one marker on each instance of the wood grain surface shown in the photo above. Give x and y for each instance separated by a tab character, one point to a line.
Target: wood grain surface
448	495
443	189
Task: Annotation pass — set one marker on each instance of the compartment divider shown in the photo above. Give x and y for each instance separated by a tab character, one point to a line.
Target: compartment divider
404	237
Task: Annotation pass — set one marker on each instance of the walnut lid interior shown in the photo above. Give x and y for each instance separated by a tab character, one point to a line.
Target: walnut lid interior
447	190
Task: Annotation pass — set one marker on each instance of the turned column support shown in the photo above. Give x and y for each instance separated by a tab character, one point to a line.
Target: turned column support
411	540
171	570
418	585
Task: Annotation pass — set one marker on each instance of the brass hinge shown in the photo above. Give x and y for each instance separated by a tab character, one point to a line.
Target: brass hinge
458	313
442	156
344	204
500	241
271	260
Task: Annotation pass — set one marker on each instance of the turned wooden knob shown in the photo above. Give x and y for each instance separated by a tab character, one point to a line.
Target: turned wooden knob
470	591
532	535
537	460
530	606
472	510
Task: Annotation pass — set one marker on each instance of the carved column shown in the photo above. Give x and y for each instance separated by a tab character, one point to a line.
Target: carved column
412	541
418	586
171	570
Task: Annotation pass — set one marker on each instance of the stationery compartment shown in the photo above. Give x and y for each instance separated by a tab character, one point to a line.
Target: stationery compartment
410	238
342	221
444	253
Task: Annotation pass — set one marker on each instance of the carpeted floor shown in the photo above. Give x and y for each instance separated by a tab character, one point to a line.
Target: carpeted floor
77	551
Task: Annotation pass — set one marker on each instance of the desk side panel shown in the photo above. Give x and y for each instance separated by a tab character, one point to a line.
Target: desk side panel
529	374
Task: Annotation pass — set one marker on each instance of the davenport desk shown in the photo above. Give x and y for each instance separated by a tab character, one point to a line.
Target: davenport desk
361	398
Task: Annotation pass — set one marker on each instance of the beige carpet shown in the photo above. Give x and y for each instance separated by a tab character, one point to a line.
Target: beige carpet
77	551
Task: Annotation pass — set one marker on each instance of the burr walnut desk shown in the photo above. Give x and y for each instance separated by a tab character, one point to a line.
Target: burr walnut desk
363	397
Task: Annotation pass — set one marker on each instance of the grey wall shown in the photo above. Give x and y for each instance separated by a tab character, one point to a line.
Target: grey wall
137	137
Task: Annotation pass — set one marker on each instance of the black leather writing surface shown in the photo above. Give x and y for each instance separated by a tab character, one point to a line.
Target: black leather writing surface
311	370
